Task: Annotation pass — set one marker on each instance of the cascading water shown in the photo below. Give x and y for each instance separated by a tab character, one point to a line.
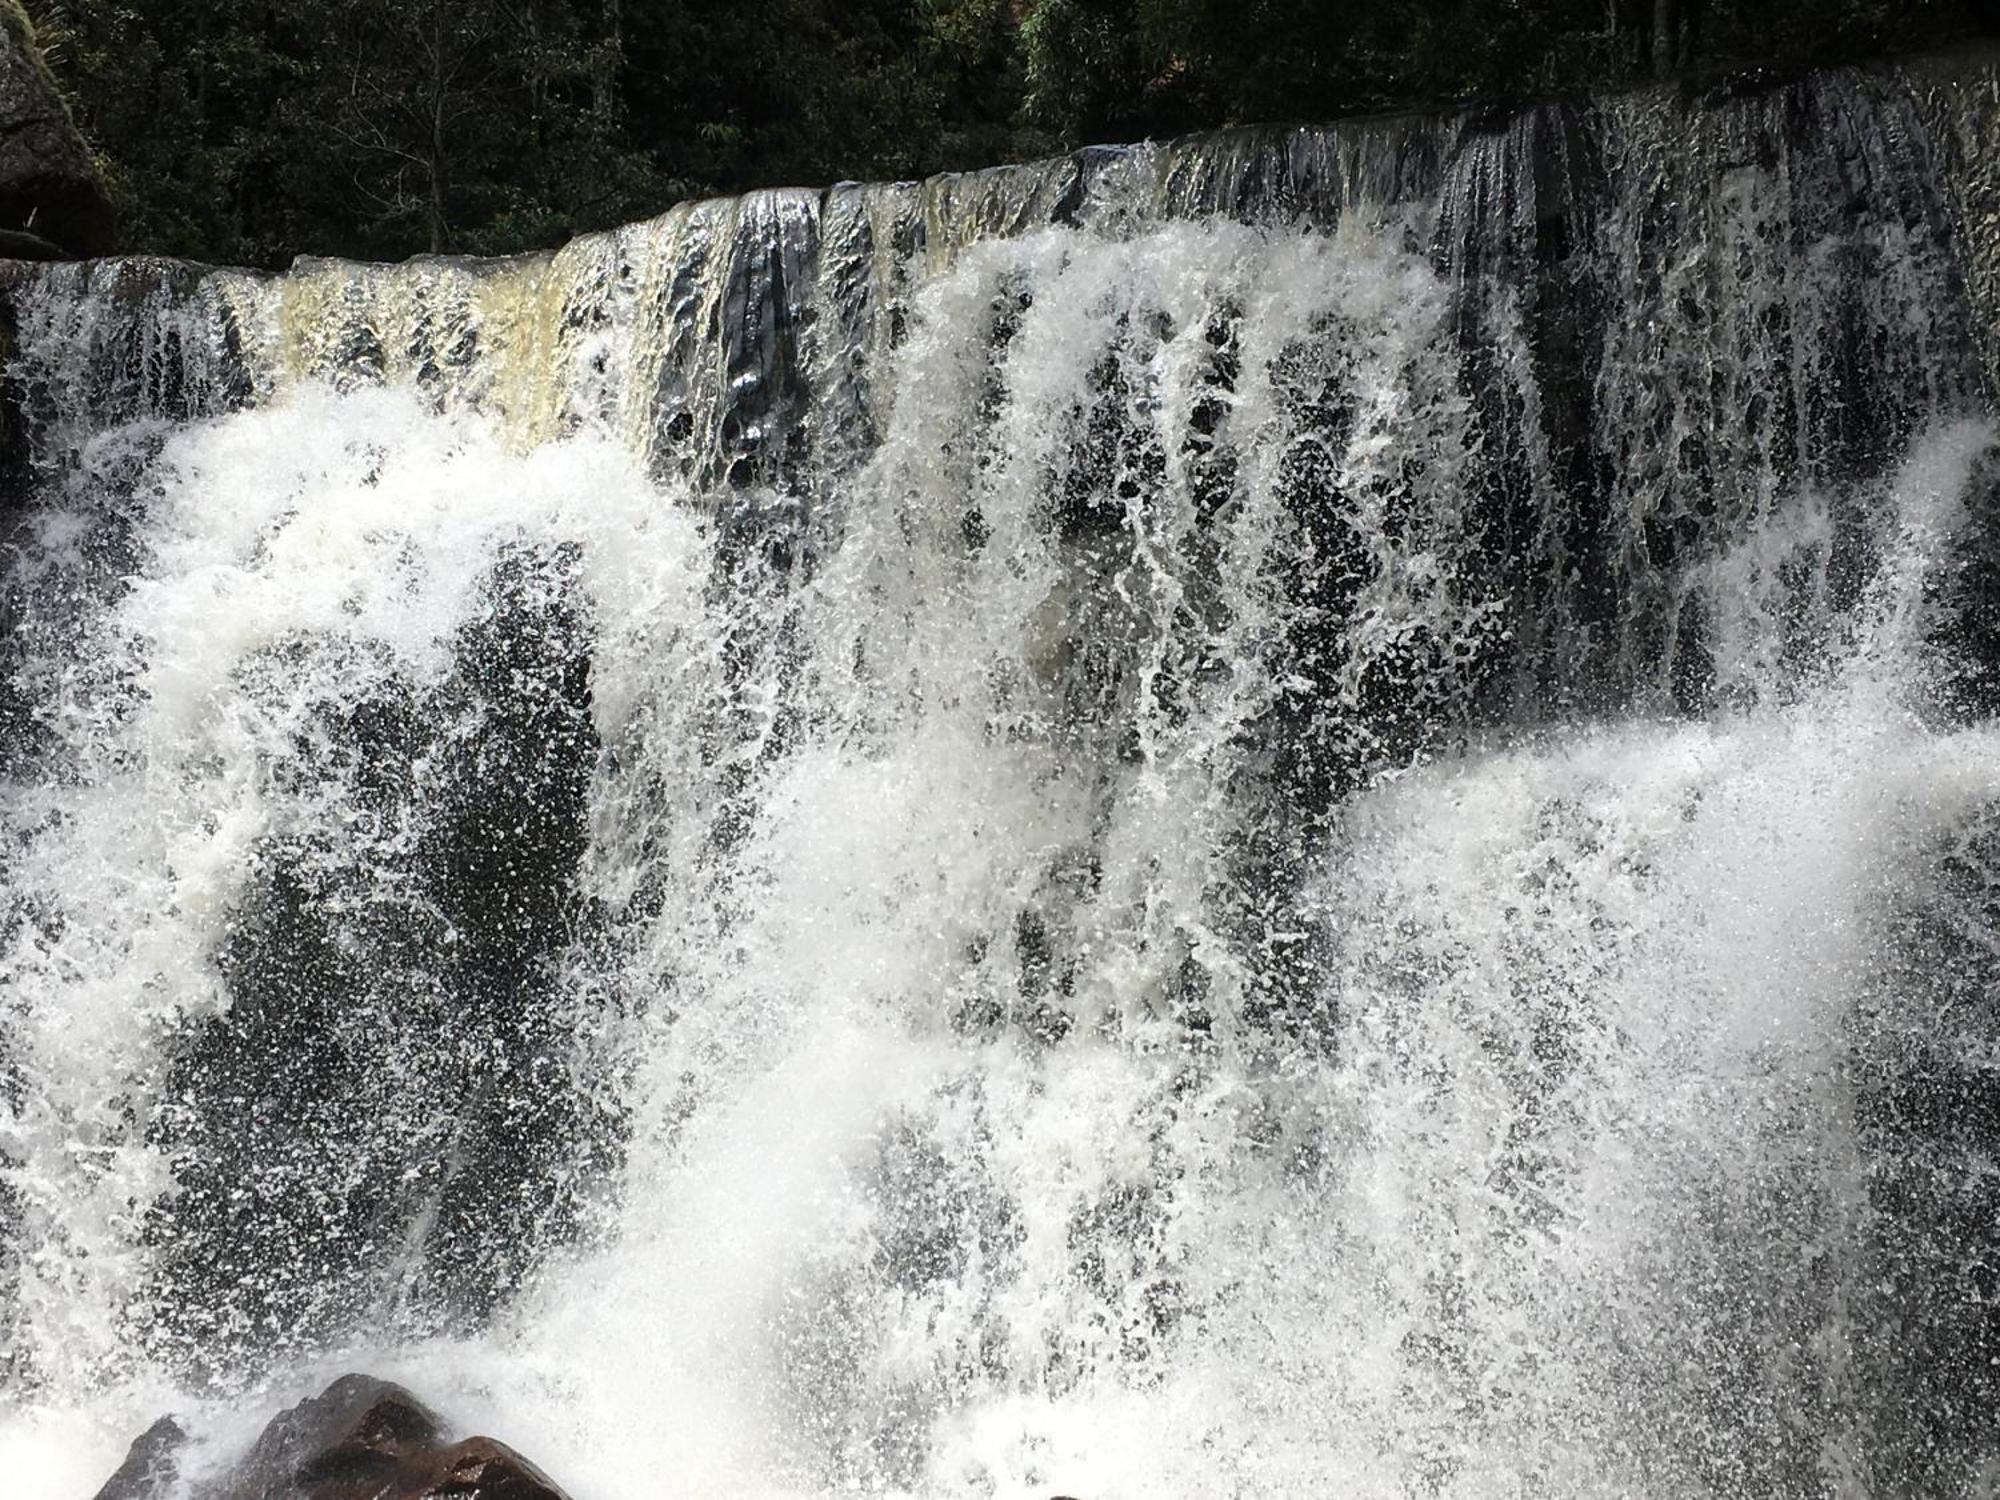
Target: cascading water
1297	814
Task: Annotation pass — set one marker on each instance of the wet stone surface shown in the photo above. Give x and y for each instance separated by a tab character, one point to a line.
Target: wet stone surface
360	1439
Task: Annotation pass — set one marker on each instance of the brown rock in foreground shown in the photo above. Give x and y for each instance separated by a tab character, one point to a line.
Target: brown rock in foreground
360	1439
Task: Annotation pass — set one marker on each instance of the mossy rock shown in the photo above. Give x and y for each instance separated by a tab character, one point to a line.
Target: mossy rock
48	184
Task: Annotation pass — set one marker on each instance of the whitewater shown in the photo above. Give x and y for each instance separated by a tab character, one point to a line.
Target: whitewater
1087	831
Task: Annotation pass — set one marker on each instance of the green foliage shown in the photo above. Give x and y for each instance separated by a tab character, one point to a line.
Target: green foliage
250	130
240	130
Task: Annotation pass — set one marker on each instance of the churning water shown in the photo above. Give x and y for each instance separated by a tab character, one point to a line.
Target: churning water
1307	814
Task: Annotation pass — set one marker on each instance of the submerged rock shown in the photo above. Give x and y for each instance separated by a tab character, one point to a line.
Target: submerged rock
49	190
360	1439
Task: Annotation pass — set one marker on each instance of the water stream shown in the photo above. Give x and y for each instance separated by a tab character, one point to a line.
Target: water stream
1300	813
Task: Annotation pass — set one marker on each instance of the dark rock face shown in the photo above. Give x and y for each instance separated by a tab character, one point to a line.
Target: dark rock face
488	1152
360	1439
18	244
151	1467
49	192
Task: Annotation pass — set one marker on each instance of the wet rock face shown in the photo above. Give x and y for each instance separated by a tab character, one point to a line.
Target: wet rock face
49	192
151	1467
360	1439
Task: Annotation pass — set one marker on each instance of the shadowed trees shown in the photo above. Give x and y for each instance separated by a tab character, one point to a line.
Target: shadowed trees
253	130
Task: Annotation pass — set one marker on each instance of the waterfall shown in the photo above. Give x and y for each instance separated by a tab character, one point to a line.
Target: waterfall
1293	813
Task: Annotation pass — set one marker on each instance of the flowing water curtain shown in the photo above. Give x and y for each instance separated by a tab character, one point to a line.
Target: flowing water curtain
1295	811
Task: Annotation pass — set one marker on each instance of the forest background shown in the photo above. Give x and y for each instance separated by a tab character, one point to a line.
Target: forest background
248	131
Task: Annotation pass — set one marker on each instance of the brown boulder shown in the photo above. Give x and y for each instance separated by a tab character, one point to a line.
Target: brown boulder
360	1439
49	190
479	1467
350	1439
